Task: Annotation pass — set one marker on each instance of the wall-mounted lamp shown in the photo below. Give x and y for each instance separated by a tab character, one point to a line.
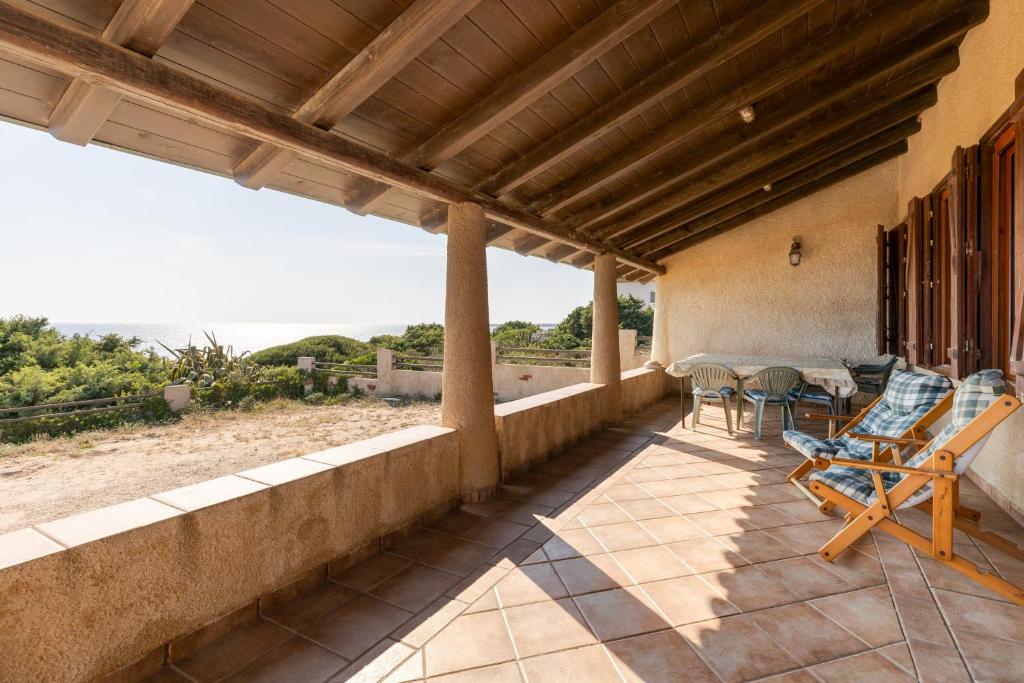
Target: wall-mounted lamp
794	252
747	114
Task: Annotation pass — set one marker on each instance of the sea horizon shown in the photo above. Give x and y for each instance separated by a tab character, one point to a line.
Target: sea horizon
240	336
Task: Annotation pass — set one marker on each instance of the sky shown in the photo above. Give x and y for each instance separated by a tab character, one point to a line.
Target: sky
96	235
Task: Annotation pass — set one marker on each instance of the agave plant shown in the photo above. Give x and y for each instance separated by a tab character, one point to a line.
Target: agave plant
206	366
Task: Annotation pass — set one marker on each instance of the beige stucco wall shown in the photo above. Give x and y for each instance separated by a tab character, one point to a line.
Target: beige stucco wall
738	293
124	580
970	99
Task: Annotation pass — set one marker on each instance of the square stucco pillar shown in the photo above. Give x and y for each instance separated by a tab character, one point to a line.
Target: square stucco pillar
604	364
467	388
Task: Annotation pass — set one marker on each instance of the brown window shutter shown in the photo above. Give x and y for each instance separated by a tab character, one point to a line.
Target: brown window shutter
912	282
881	319
958	231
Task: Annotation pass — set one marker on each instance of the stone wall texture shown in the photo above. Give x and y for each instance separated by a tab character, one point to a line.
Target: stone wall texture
738	293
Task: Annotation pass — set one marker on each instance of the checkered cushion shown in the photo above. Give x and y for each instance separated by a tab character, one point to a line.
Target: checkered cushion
972	397
761	395
712	393
883	419
908	391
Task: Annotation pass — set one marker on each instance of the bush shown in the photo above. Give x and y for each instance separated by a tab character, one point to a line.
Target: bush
330	348
248	403
316	398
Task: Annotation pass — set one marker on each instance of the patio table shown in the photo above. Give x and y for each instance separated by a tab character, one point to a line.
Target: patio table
831	374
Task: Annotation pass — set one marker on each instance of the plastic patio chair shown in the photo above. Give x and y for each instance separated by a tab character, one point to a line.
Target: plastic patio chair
712	381
773	387
872	379
812	393
871	492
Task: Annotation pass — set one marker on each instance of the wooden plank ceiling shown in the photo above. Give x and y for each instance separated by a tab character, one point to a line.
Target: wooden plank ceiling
581	125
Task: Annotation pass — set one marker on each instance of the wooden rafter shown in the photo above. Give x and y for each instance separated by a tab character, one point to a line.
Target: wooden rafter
809	58
79	54
600	34
139	25
394	47
783	200
805	137
772	181
750	140
688	67
787	181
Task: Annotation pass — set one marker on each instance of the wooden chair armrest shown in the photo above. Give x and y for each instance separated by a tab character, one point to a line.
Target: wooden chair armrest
887	439
885	467
823	416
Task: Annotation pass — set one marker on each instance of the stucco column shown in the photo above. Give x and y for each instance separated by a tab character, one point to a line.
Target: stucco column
467	389
604	363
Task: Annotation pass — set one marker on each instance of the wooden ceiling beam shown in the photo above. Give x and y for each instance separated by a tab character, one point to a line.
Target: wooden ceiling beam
519	91
530	245
40	41
731	168
774	178
138	25
816	53
687	68
784	200
610	211
401	41
744	197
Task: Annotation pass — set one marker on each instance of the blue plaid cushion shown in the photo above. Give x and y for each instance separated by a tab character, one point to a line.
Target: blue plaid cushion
973	396
711	393
761	395
812	447
908	391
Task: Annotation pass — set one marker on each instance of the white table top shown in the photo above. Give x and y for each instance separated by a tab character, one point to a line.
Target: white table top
829	373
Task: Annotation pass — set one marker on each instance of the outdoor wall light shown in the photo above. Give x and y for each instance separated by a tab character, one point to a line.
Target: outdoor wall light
747	114
794	252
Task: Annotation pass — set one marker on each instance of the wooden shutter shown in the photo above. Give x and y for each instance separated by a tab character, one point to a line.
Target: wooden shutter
881	318
912	281
958	231
1017	345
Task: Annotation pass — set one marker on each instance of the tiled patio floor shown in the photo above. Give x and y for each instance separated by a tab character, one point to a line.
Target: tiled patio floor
648	553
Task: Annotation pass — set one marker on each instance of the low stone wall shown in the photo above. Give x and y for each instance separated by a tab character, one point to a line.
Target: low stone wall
642	387
534	428
83	596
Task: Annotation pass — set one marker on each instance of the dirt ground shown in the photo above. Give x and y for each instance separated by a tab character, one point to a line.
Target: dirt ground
54	478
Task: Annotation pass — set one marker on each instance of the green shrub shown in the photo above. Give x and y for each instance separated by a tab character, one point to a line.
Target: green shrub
329	348
316	398
248	403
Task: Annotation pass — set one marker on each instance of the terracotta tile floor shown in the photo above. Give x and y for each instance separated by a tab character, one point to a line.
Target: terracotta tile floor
648	553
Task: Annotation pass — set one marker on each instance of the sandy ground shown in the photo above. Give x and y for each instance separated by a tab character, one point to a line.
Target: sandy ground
54	478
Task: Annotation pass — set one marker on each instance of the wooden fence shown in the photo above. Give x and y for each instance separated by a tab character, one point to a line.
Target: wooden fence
346	369
579	358
76	408
423	363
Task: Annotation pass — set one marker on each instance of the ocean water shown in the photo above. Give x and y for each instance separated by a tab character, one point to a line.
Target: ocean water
241	336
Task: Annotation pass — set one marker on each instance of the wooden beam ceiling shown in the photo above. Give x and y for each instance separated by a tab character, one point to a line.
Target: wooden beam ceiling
818	130
691	65
743	197
377	63
583	46
802	63
79	54
138	25
783	200
609	216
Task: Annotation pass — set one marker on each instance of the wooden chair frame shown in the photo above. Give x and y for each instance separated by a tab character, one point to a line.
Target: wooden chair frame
914	436
944	506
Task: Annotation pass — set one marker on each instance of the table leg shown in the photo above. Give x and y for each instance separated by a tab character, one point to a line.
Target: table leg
836	410
739	404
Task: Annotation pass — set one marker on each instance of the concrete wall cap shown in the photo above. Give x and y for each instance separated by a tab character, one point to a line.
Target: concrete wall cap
24	545
284	471
107	521
341	455
210	492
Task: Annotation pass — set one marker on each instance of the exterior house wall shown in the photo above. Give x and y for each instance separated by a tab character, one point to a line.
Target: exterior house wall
738	293
971	99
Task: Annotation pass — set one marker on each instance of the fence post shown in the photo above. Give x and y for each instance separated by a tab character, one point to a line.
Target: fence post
385	372
306	363
177	396
627	349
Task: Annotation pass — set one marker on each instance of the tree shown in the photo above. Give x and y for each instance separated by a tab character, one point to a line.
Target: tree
634	314
515	333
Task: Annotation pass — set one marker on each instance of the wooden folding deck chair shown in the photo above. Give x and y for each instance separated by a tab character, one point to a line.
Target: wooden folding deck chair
870	492
911	404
